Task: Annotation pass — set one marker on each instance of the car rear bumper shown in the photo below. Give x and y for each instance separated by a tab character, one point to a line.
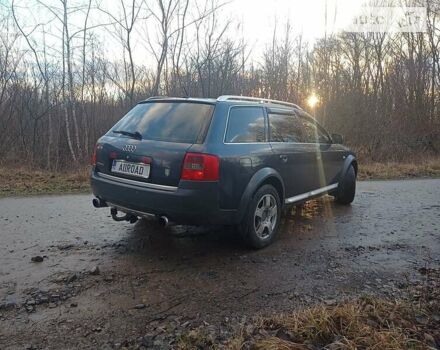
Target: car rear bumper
190	203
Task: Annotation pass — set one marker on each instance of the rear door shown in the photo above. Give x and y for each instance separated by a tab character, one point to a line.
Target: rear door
293	158
245	151
166	129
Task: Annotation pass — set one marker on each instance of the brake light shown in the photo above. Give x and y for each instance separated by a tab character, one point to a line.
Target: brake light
94	154
200	167
146	160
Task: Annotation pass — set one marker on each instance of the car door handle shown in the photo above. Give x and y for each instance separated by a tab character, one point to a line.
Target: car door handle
283	158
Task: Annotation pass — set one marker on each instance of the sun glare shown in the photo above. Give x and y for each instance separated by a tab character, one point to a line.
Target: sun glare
312	100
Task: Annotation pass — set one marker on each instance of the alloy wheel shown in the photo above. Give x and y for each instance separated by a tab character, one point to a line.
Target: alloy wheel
266	216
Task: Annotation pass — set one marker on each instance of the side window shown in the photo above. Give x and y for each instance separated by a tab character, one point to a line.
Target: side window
246	125
285	128
312	134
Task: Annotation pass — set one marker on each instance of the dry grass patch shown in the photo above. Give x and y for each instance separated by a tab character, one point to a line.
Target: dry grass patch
21	181
197	338
395	170
366	323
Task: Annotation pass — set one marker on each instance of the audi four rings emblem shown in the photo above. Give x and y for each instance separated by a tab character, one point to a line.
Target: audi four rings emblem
129	148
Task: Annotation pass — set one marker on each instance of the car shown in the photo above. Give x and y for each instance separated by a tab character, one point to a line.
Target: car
233	160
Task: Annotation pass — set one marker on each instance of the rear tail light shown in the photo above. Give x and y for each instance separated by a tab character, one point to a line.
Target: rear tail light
200	167
146	160
94	155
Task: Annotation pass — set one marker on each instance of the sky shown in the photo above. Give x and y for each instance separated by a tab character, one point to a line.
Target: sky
306	17
258	18
309	17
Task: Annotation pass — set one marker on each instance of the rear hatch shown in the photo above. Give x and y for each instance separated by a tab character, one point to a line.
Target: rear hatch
149	143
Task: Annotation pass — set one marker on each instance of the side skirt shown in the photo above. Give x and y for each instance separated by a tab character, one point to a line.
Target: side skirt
314	193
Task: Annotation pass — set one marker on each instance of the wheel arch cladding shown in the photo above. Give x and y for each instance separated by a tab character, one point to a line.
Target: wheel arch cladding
275	182
350	160
261	177
355	166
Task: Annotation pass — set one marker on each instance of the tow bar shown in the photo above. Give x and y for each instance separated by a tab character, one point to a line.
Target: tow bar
127	217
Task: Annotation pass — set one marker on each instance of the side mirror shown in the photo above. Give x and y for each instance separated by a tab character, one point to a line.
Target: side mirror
337	138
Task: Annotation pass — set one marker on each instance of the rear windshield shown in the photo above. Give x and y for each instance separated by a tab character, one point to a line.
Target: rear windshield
182	122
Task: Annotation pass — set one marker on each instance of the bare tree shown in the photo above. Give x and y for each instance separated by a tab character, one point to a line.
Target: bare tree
124	25
60	87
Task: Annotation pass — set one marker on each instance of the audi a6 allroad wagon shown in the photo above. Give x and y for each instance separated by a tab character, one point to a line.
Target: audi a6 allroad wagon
233	160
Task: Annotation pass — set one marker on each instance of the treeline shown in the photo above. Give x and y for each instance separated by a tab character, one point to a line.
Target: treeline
60	90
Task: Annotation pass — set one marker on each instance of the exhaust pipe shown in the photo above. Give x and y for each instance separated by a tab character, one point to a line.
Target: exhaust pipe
98	203
163	220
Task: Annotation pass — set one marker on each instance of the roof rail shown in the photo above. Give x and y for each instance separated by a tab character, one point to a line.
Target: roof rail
156	98
256	99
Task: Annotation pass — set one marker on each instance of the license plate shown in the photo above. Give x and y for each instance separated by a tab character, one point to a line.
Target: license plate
132	169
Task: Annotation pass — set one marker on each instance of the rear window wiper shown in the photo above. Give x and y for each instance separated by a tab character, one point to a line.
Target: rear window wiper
135	134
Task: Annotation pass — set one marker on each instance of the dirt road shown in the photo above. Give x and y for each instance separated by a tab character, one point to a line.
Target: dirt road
106	284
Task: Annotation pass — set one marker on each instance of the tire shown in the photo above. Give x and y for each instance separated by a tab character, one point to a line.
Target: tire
347	187
262	218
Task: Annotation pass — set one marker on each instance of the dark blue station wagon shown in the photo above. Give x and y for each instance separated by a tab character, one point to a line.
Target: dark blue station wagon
233	160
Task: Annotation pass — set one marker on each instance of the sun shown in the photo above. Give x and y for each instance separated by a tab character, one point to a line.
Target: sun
312	100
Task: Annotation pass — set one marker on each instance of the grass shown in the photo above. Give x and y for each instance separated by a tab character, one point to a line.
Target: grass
399	170
21	181
364	323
